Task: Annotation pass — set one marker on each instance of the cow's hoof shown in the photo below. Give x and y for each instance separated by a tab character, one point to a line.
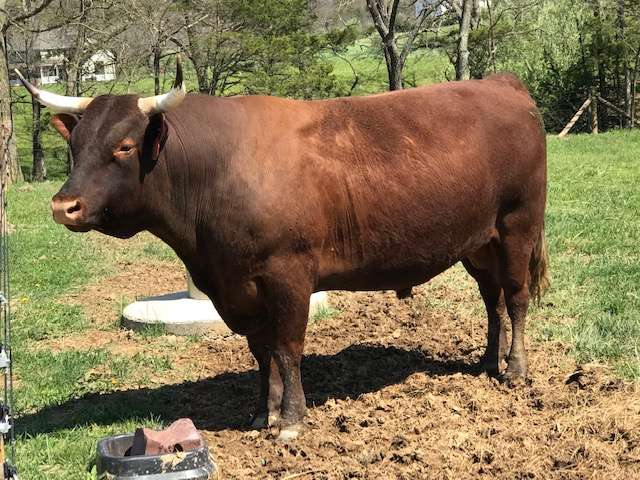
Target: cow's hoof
290	432
263	420
515	374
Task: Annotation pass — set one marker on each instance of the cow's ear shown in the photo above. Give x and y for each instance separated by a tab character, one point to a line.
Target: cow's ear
64	124
154	138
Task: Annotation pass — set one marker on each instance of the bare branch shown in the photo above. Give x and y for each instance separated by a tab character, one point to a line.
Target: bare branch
417	28
25	16
374	9
392	16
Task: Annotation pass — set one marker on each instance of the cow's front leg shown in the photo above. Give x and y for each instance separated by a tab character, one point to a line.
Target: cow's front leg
289	287
267	413
288	355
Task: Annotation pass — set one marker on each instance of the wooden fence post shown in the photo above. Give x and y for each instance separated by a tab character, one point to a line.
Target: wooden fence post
575	118
594	115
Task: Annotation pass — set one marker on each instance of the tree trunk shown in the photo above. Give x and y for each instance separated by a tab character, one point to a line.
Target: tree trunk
72	88
203	78
476	13
384	19
394	67
32	67
634	80
73	68
156	68
196	54
462	59
600	60
594	114
38	170
10	167
626	87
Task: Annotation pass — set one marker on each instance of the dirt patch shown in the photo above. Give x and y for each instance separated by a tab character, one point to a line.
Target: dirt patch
102	300
393	393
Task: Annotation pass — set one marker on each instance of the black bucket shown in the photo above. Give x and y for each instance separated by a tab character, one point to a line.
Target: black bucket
114	464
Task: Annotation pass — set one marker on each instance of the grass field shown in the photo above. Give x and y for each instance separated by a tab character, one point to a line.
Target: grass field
593	229
593	307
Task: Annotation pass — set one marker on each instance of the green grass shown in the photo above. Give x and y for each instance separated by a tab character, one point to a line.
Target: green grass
48	262
47	378
593	230
69	453
323	312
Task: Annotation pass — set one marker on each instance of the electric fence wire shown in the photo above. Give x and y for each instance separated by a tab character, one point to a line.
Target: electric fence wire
5	313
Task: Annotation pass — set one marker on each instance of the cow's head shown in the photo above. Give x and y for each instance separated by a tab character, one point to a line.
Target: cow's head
115	141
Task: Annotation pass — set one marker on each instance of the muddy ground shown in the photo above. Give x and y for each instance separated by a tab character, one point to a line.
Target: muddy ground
393	393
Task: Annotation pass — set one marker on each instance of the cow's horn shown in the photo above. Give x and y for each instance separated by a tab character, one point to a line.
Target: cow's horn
163	103
57	103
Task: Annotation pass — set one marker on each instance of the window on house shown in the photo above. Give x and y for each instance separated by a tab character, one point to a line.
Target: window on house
98	68
48	71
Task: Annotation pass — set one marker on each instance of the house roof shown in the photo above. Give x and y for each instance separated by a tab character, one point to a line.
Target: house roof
51	40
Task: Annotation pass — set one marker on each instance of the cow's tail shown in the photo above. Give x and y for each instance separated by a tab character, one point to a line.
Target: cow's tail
538	269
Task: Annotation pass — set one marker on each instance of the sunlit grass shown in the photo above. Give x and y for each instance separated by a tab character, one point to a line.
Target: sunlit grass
593	229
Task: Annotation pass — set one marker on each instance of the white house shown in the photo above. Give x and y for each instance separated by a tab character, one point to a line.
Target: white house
44	56
100	67
420	5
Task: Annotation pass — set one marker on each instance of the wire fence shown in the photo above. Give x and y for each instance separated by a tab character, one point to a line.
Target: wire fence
6	416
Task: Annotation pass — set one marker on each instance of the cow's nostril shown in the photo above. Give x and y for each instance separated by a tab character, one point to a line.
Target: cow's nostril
74	207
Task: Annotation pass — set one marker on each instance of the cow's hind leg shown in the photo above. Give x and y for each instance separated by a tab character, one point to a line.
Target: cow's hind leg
268	410
518	234
483	266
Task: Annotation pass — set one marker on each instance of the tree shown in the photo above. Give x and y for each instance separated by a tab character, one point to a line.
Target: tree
206	38
287	53
157	24
11	15
89	25
10	168
462	57
385	18
256	47
31	63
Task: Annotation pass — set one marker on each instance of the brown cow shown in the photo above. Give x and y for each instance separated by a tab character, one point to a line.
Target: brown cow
267	200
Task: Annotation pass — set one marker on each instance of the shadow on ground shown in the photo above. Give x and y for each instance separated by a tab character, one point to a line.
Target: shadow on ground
226	400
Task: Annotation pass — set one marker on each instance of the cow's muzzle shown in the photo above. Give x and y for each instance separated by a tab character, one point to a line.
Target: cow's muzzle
69	212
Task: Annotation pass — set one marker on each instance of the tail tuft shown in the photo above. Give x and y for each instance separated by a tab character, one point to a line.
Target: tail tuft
538	269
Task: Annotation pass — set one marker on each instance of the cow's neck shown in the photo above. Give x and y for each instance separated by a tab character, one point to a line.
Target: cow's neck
176	185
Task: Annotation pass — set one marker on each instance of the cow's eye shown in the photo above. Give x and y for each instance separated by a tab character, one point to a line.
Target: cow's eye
126	148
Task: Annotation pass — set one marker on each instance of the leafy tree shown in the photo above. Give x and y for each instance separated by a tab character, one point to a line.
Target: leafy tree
397	42
256	46
12	14
563	50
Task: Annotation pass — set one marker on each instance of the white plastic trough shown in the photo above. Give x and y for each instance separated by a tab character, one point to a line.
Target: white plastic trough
187	313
